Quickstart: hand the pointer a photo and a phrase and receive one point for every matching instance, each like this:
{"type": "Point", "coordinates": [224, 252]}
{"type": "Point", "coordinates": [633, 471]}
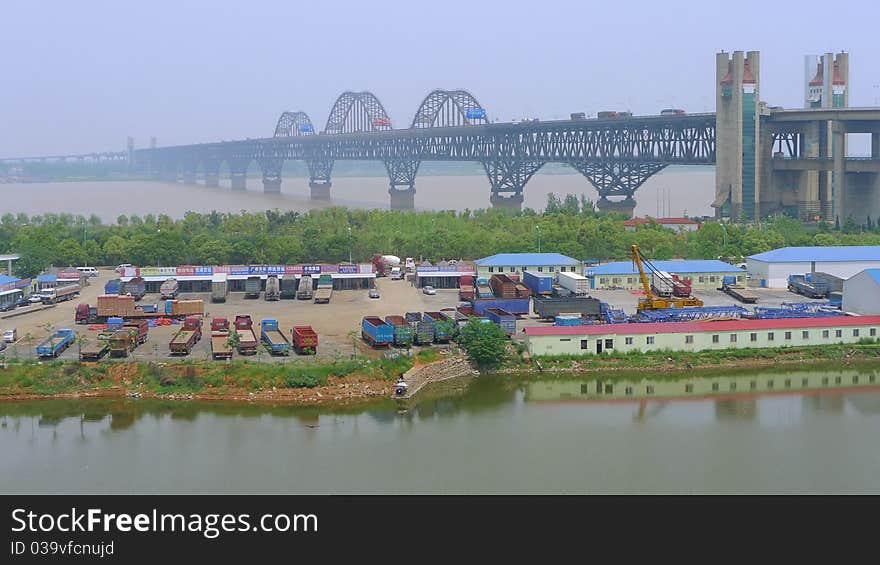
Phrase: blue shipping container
{"type": "Point", "coordinates": [538, 283]}
{"type": "Point", "coordinates": [515, 306]}
{"type": "Point", "coordinates": [568, 321]}
{"type": "Point", "coordinates": [476, 113]}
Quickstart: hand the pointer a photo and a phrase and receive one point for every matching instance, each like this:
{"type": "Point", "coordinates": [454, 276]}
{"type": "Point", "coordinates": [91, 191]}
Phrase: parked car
{"type": "Point", "coordinates": [2, 346]}
{"type": "Point", "coordinates": [9, 336]}
{"type": "Point", "coordinates": [7, 307]}
{"type": "Point", "coordinates": [23, 301]}
{"type": "Point", "coordinates": [429, 290]}
{"type": "Point", "coordinates": [122, 266]}
{"type": "Point", "coordinates": [374, 293]}
{"type": "Point", "coordinates": [35, 299]}
{"type": "Point", "coordinates": [88, 271]}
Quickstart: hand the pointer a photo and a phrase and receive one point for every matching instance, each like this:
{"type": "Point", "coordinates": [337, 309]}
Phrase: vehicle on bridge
{"type": "Point", "coordinates": [578, 116]}
{"type": "Point", "coordinates": [613, 115]}
{"type": "Point", "coordinates": [381, 121]}
{"type": "Point", "coordinates": [672, 112]}
{"type": "Point", "coordinates": [476, 114]}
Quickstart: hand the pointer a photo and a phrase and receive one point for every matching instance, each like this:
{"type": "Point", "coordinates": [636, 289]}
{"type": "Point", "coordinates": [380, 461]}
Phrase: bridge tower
{"type": "Point", "coordinates": [737, 126]}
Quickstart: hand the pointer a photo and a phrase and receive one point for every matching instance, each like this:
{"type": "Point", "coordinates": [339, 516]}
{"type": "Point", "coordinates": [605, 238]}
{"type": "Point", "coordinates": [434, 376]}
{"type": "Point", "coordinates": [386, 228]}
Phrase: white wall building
{"type": "Point", "coordinates": [861, 293]}
{"type": "Point", "coordinates": [771, 268]}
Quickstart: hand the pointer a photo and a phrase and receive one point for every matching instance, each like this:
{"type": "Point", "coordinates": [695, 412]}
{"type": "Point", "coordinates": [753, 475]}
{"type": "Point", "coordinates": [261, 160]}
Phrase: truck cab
{"type": "Point", "coordinates": [396, 273]}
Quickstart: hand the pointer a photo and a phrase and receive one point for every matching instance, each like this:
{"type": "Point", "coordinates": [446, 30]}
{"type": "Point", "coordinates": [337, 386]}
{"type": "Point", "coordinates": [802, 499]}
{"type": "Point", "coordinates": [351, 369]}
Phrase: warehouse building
{"type": "Point", "coordinates": [704, 274]}
{"type": "Point", "coordinates": [698, 336]}
{"type": "Point", "coordinates": [772, 268]}
{"type": "Point", "coordinates": [520, 262]}
{"type": "Point", "coordinates": [445, 274]}
{"type": "Point", "coordinates": [11, 289]}
{"type": "Point", "coordinates": [861, 293]}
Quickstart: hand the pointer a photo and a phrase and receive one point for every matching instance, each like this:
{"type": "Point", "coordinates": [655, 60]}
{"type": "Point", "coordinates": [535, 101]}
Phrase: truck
{"type": "Point", "coordinates": [396, 274]}
{"type": "Point", "coordinates": [55, 344]}
{"type": "Point", "coordinates": [304, 291]}
{"type": "Point", "coordinates": [96, 349]}
{"type": "Point", "coordinates": [410, 265]}
{"type": "Point", "coordinates": [503, 319]}
{"type": "Point", "coordinates": [252, 287]}
{"type": "Point", "coordinates": [273, 288]}
{"type": "Point", "coordinates": [741, 293]}
{"type": "Point", "coordinates": [574, 283]}
{"type": "Point", "coordinates": [136, 287]}
{"type": "Point", "coordinates": [141, 327]}
{"type": "Point", "coordinates": [403, 331]}
{"type": "Point", "coordinates": [444, 328]}
{"type": "Point", "coordinates": [288, 286]}
{"type": "Point", "coordinates": [578, 116]}
{"type": "Point", "coordinates": [538, 283]}
{"type": "Point", "coordinates": [247, 341]}
{"type": "Point", "coordinates": [113, 286]}
{"type": "Point", "coordinates": [382, 264]}
{"type": "Point", "coordinates": [169, 288]}
{"type": "Point", "coordinates": [219, 287]}
{"type": "Point", "coordinates": [122, 342]}
{"type": "Point", "coordinates": [59, 293]}
{"type": "Point", "coordinates": [466, 287]}
{"type": "Point", "coordinates": [832, 282]}
{"type": "Point", "coordinates": [322, 295]}
{"type": "Point", "coordinates": [304, 339]}
{"type": "Point", "coordinates": [273, 337]}
{"type": "Point", "coordinates": [111, 305]}
{"type": "Point", "coordinates": [811, 289]}
{"type": "Point", "coordinates": [548, 307]}
{"type": "Point", "coordinates": [517, 306]}
{"type": "Point", "coordinates": [220, 345]}
{"type": "Point", "coordinates": [187, 337]}
{"type": "Point", "coordinates": [376, 331]}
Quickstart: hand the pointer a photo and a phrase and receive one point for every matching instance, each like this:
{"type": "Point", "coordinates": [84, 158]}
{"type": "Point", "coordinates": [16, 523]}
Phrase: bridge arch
{"type": "Point", "coordinates": [442, 108]}
{"type": "Point", "coordinates": [357, 112]}
{"type": "Point", "coordinates": [294, 124]}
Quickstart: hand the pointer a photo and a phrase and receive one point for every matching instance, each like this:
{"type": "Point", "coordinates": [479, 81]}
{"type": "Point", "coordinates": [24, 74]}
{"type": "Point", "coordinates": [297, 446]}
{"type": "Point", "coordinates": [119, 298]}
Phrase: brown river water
{"type": "Point", "coordinates": [672, 192]}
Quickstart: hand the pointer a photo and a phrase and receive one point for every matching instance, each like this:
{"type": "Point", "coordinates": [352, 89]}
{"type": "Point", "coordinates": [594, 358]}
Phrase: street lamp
{"type": "Point", "coordinates": [349, 244]}
{"type": "Point", "coordinates": [539, 237]}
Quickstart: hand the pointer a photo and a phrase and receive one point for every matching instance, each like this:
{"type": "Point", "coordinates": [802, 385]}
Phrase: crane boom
{"type": "Point", "coordinates": [652, 301]}
{"type": "Point", "coordinates": [637, 259]}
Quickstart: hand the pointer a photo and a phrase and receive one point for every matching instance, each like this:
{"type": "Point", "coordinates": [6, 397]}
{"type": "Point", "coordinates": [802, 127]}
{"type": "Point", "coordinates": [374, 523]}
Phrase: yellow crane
{"type": "Point", "coordinates": [653, 302]}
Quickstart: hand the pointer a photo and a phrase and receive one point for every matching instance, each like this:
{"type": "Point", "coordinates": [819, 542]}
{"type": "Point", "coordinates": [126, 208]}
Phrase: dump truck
{"type": "Point", "coordinates": [304, 290]}
{"type": "Point", "coordinates": [252, 287]}
{"type": "Point", "coordinates": [304, 339]}
{"type": "Point", "coordinates": [247, 341]}
{"type": "Point", "coordinates": [738, 291]}
{"type": "Point", "coordinates": [113, 286]}
{"type": "Point", "coordinates": [96, 349]}
{"type": "Point", "coordinates": [170, 288]}
{"type": "Point", "coordinates": [503, 319]}
{"type": "Point", "coordinates": [809, 288]}
{"type": "Point", "coordinates": [288, 286]}
{"type": "Point", "coordinates": [141, 327]}
{"type": "Point", "coordinates": [122, 342]}
{"type": "Point", "coordinates": [187, 337]}
{"type": "Point", "coordinates": [59, 293]}
{"type": "Point", "coordinates": [220, 346]}
{"type": "Point", "coordinates": [403, 331]}
{"type": "Point", "coordinates": [273, 288]}
{"type": "Point", "coordinates": [444, 328]}
{"type": "Point", "coordinates": [548, 307]}
{"type": "Point", "coordinates": [136, 287]}
{"type": "Point", "coordinates": [219, 287]}
{"type": "Point", "coordinates": [376, 331]}
{"type": "Point", "coordinates": [55, 344]}
{"type": "Point", "coordinates": [273, 337]}
{"type": "Point", "coordinates": [322, 295]}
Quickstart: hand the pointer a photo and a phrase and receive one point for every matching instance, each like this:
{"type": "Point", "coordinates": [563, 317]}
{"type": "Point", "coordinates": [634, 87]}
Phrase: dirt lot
{"type": "Point", "coordinates": [334, 322]}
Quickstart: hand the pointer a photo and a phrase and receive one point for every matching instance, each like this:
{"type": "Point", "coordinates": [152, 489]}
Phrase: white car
{"type": "Point", "coordinates": [9, 336]}
{"type": "Point", "coordinates": [429, 290]}
{"type": "Point", "coordinates": [122, 266]}
{"type": "Point", "coordinates": [35, 299]}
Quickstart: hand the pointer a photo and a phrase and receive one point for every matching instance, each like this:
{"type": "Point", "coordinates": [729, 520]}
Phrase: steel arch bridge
{"type": "Point", "coordinates": [617, 155]}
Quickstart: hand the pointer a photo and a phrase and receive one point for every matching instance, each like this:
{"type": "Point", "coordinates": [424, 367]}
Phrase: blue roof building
{"type": "Point", "coordinates": [519, 262]}
{"type": "Point", "coordinates": [704, 274]}
{"type": "Point", "coordinates": [772, 268]}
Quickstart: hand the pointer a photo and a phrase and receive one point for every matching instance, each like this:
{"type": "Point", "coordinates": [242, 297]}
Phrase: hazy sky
{"type": "Point", "coordinates": [81, 76]}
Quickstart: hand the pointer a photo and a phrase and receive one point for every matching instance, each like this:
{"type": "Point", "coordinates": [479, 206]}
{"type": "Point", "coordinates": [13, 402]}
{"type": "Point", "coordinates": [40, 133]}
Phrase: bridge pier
{"type": "Point", "coordinates": [320, 190]}
{"type": "Point", "coordinates": [626, 206]}
{"type": "Point", "coordinates": [212, 178]}
{"type": "Point", "coordinates": [402, 199]}
{"type": "Point", "coordinates": [272, 185]}
{"type": "Point", "coordinates": [189, 177]}
{"type": "Point", "coordinates": [512, 202]}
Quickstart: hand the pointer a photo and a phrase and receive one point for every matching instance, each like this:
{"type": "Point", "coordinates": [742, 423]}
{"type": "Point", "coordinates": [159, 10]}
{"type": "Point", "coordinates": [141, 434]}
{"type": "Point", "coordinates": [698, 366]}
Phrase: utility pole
{"type": "Point", "coordinates": [539, 237]}
{"type": "Point", "coordinates": [349, 244]}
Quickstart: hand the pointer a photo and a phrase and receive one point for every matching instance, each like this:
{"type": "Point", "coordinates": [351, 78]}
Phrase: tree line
{"type": "Point", "coordinates": [568, 225]}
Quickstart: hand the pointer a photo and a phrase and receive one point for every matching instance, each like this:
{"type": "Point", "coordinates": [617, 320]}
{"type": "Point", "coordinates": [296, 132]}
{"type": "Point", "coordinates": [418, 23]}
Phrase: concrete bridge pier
{"type": "Point", "coordinates": [272, 185]}
{"type": "Point", "coordinates": [626, 206]}
{"type": "Point", "coordinates": [189, 177]}
{"type": "Point", "coordinates": [238, 180]}
{"type": "Point", "coordinates": [212, 178]}
{"type": "Point", "coordinates": [320, 190]}
{"type": "Point", "coordinates": [512, 202]}
{"type": "Point", "coordinates": [402, 199]}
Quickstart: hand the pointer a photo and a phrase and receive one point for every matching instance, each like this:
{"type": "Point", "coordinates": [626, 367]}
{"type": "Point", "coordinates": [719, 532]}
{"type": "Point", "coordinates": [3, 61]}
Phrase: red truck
{"type": "Point", "coordinates": [220, 347]}
{"type": "Point", "coordinates": [247, 341]}
{"type": "Point", "coordinates": [184, 340]}
{"type": "Point", "coordinates": [142, 327]}
{"type": "Point", "coordinates": [304, 339]}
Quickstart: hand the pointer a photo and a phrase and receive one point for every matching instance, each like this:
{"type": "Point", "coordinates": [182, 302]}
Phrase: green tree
{"type": "Point", "coordinates": [485, 343]}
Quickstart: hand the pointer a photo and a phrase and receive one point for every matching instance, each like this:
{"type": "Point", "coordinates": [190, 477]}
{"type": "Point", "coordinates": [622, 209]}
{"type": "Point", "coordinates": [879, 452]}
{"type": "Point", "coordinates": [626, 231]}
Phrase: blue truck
{"type": "Point", "coordinates": [273, 337]}
{"type": "Point", "coordinates": [444, 328]}
{"type": "Point", "coordinates": [503, 319]}
{"type": "Point", "coordinates": [376, 331]}
{"type": "Point", "coordinates": [516, 306]}
{"type": "Point", "coordinates": [113, 286]}
{"type": "Point", "coordinates": [806, 286]}
{"type": "Point", "coordinates": [55, 344]}
{"type": "Point", "coordinates": [538, 283]}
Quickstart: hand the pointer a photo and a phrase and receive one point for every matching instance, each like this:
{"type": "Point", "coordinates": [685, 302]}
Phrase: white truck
{"type": "Point", "coordinates": [396, 273]}
{"type": "Point", "coordinates": [59, 293]}
{"type": "Point", "coordinates": [574, 283]}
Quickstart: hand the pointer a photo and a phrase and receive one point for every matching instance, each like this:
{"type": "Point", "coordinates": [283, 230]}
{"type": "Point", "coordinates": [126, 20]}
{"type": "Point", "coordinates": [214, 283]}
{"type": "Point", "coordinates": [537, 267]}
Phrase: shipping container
{"type": "Point", "coordinates": [503, 319]}
{"type": "Point", "coordinates": [574, 283]}
{"type": "Point", "coordinates": [517, 306]}
{"type": "Point", "coordinates": [376, 331]}
{"type": "Point", "coordinates": [538, 283]}
{"type": "Point", "coordinates": [548, 307]}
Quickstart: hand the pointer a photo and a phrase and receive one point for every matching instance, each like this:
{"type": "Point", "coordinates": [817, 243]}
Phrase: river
{"type": "Point", "coordinates": [672, 192]}
{"type": "Point", "coordinates": [801, 432]}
